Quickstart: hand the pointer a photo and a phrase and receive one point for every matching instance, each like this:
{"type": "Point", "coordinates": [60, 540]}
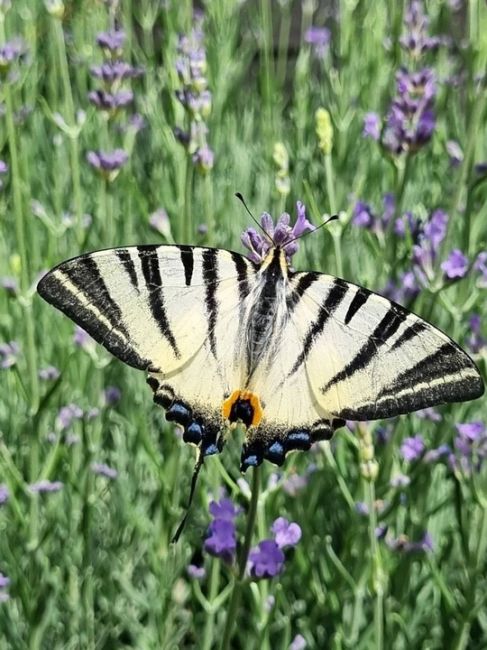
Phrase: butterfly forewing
{"type": "Point", "coordinates": [368, 358]}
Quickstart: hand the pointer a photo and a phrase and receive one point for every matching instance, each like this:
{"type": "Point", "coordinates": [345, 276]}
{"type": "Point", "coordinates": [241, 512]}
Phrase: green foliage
{"type": "Point", "coordinates": [91, 565]}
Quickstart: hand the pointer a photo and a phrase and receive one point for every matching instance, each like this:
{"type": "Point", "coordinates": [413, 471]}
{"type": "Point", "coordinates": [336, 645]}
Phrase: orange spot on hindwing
{"type": "Point", "coordinates": [243, 405]}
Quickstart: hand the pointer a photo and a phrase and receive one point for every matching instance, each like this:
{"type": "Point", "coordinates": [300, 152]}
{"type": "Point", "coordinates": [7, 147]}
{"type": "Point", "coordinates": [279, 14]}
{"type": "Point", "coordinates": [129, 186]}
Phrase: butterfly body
{"type": "Point", "coordinates": [290, 355]}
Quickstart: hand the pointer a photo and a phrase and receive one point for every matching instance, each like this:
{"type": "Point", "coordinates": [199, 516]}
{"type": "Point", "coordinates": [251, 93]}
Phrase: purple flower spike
{"type": "Point", "coordinates": [362, 215]}
{"type": "Point", "coordinates": [266, 560]}
{"type": "Point", "coordinates": [476, 341]}
{"type": "Point", "coordinates": [286, 534]}
{"type": "Point", "coordinates": [106, 101]}
{"type": "Point", "coordinates": [412, 448]}
{"type": "Point", "coordinates": [102, 469]}
{"type": "Point", "coordinates": [224, 509]}
{"type": "Point", "coordinates": [111, 395]}
{"type": "Point", "coordinates": [222, 541]}
{"type": "Point", "coordinates": [112, 41]}
{"type": "Point", "coordinates": [4, 494]}
{"type": "Point", "coordinates": [4, 581]}
{"type": "Point", "coordinates": [196, 572]}
{"type": "Point", "coordinates": [9, 353]}
{"type": "Point", "coordinates": [115, 71]}
{"type": "Point", "coordinates": [67, 414]}
{"type": "Point", "coordinates": [107, 163]}
{"type": "Point", "coordinates": [281, 235]}
{"type": "Point", "coordinates": [46, 486]}
{"type": "Point", "coordinates": [319, 39]}
{"type": "Point", "coordinates": [371, 128]}
{"type": "Point", "coordinates": [50, 373]}
{"type": "Point", "coordinates": [456, 266]}
{"type": "Point", "coordinates": [3, 167]}
{"type": "Point", "coordinates": [472, 430]}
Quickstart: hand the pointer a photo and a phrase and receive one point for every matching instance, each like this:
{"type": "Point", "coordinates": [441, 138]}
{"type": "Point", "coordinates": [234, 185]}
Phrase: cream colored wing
{"type": "Point", "coordinates": [171, 310]}
{"type": "Point", "coordinates": [344, 352]}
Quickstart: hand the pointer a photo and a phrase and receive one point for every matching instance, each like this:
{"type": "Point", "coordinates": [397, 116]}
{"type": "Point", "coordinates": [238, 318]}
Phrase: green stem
{"type": "Point", "coordinates": [74, 135]}
{"type": "Point", "coordinates": [242, 561]}
{"type": "Point", "coordinates": [187, 234]}
{"type": "Point", "coordinates": [336, 232]}
{"type": "Point", "coordinates": [377, 576]}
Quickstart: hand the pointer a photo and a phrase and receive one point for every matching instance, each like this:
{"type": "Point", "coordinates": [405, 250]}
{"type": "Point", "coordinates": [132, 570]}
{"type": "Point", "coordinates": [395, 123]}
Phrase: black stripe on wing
{"type": "Point", "coordinates": [242, 268]}
{"type": "Point", "coordinates": [129, 266]}
{"type": "Point", "coordinates": [77, 306]}
{"type": "Point", "coordinates": [359, 300]}
{"type": "Point", "coordinates": [449, 374]}
{"type": "Point", "coordinates": [187, 258]}
{"type": "Point", "coordinates": [302, 285]}
{"type": "Point", "coordinates": [332, 301]}
{"type": "Point", "coordinates": [387, 327]}
{"type": "Point", "coordinates": [149, 260]}
{"type": "Point", "coordinates": [210, 277]}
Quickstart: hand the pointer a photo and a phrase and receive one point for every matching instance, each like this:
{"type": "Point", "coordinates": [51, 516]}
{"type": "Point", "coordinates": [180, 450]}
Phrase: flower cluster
{"type": "Point", "coordinates": [9, 353]}
{"type": "Point", "coordinates": [194, 95]}
{"type": "Point", "coordinates": [469, 447]}
{"type": "Point", "coordinates": [112, 97]}
{"type": "Point", "coordinates": [265, 560]}
{"type": "Point", "coordinates": [281, 234]}
{"type": "Point", "coordinates": [410, 120]}
{"type": "Point", "coordinates": [319, 39]}
{"type": "Point", "coordinates": [4, 583]}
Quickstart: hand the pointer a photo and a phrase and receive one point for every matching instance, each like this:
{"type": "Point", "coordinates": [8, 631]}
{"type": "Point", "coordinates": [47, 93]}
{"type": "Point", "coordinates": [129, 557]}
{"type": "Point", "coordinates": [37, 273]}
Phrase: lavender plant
{"type": "Point", "coordinates": [373, 111]}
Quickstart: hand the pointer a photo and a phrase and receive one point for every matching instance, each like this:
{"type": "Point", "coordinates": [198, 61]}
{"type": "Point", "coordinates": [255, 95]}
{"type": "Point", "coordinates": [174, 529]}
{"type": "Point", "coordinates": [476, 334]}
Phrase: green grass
{"type": "Point", "coordinates": [91, 566]}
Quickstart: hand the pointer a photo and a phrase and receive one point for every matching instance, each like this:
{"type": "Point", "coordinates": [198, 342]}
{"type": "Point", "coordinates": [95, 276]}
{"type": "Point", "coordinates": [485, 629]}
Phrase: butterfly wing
{"type": "Point", "coordinates": [344, 352]}
{"type": "Point", "coordinates": [171, 310]}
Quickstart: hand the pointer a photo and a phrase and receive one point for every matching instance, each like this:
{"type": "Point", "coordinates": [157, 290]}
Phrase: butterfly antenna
{"type": "Point", "coordinates": [241, 198]}
{"type": "Point", "coordinates": [194, 478]}
{"type": "Point", "coordinates": [334, 217]}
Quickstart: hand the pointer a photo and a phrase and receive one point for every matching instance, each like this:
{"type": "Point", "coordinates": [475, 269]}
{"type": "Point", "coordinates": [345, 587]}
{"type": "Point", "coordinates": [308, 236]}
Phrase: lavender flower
{"type": "Point", "coordinates": [102, 469]}
{"type": "Point", "coordinates": [49, 373]}
{"type": "Point", "coordinates": [298, 643]}
{"type": "Point", "coordinates": [399, 481]}
{"type": "Point", "coordinates": [4, 494]}
{"type": "Point", "coordinates": [196, 572]}
{"type": "Point", "coordinates": [160, 222]}
{"type": "Point", "coordinates": [114, 72]}
{"type": "Point", "coordinates": [111, 395]}
{"type": "Point", "coordinates": [222, 540]}
{"type": "Point", "coordinates": [286, 533]}
{"type": "Point", "coordinates": [111, 102]}
{"type": "Point", "coordinates": [81, 338]}
{"type": "Point", "coordinates": [476, 341]}
{"type": "Point", "coordinates": [416, 40]}
{"type": "Point", "coordinates": [279, 235]}
{"type": "Point", "coordinates": [426, 251]}
{"type": "Point", "coordinates": [46, 486]}
{"type": "Point", "coordinates": [194, 95]}
{"type": "Point", "coordinates": [481, 266]}
{"type": "Point", "coordinates": [404, 291]}
{"type": "Point", "coordinates": [363, 215]}
{"type": "Point", "coordinates": [437, 454]}
{"type": "Point", "coordinates": [111, 42]}
{"type": "Point", "coordinates": [456, 265]}
{"type": "Point", "coordinates": [67, 414]}
{"type": "Point", "coordinates": [412, 448]}
{"type": "Point", "coordinates": [319, 39]}
{"type": "Point", "coordinates": [429, 413]}
{"type": "Point", "coordinates": [455, 153]}
{"type": "Point", "coordinates": [294, 483]}
{"type": "Point", "coordinates": [266, 560]}
{"type": "Point", "coordinates": [10, 285]}
{"type": "Point", "coordinates": [9, 353]}
{"type": "Point", "coordinates": [4, 583]}
{"type": "Point", "coordinates": [10, 52]}
{"type": "Point", "coordinates": [108, 163]}
{"type": "Point", "coordinates": [372, 126]}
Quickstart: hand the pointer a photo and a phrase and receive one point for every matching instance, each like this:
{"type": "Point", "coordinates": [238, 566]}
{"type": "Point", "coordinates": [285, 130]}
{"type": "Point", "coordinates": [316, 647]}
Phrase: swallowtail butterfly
{"type": "Point", "coordinates": [224, 340]}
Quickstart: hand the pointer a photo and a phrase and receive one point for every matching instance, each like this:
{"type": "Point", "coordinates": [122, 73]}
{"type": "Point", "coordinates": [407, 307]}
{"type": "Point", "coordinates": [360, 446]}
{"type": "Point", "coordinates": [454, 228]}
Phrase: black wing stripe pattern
{"type": "Point", "coordinates": [187, 258]}
{"type": "Point", "coordinates": [387, 327]}
{"type": "Point", "coordinates": [210, 277]}
{"type": "Point", "coordinates": [302, 285]}
{"type": "Point", "coordinates": [152, 275]}
{"type": "Point", "coordinates": [88, 307]}
{"type": "Point", "coordinates": [359, 299]}
{"type": "Point", "coordinates": [332, 301]}
{"type": "Point", "coordinates": [129, 266]}
{"type": "Point", "coordinates": [241, 266]}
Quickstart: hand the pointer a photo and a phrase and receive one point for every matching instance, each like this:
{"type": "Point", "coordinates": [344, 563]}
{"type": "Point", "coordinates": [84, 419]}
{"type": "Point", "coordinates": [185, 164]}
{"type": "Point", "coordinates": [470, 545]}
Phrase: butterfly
{"type": "Point", "coordinates": [225, 340]}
